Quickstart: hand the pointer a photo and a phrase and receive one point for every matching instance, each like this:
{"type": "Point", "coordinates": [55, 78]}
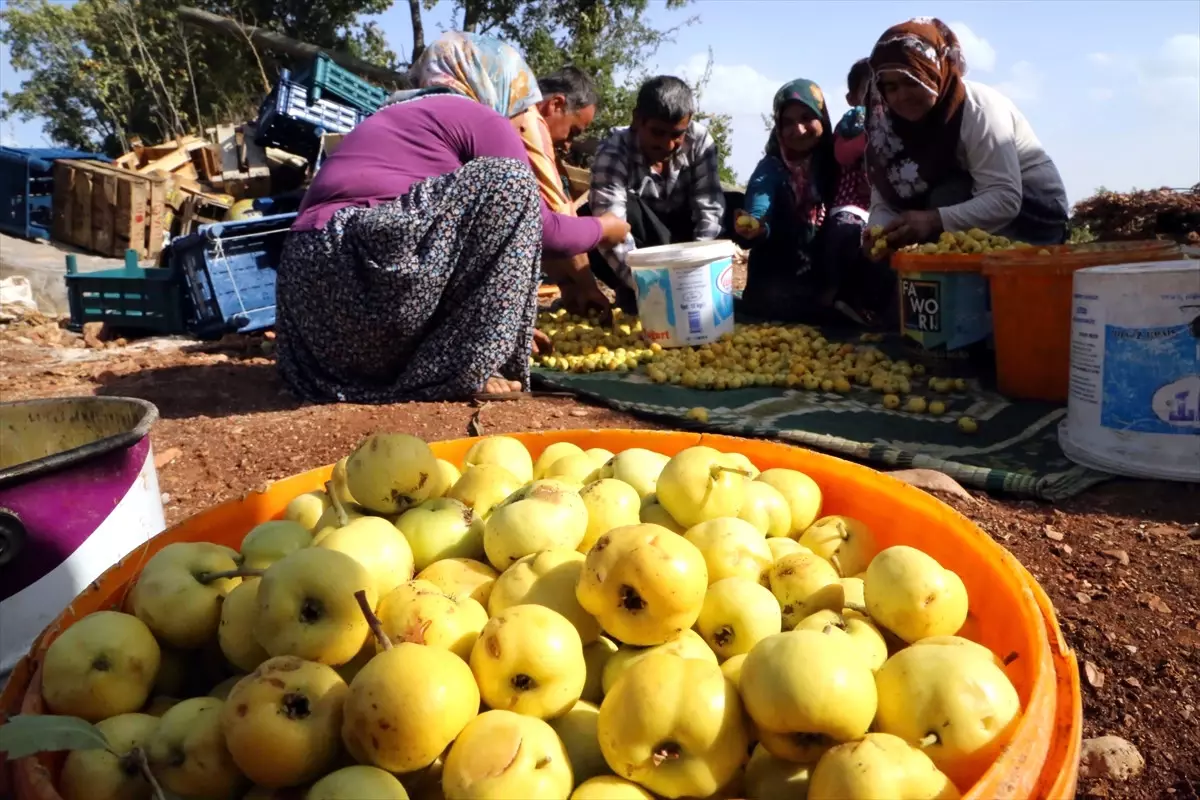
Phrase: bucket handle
{"type": "Point", "coordinates": [12, 536]}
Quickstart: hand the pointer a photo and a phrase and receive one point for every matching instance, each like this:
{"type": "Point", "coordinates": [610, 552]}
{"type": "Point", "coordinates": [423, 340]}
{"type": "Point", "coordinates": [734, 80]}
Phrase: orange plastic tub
{"type": "Point", "coordinates": [1009, 612]}
{"type": "Point", "coordinates": [1031, 310]}
{"type": "Point", "coordinates": [945, 311]}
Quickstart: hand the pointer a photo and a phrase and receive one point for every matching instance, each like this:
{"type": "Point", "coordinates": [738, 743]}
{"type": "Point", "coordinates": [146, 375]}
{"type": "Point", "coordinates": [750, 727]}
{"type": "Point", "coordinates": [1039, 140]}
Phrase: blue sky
{"type": "Point", "coordinates": [1111, 88]}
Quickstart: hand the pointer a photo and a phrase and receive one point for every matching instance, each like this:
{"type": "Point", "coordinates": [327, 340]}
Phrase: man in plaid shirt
{"type": "Point", "coordinates": [660, 175]}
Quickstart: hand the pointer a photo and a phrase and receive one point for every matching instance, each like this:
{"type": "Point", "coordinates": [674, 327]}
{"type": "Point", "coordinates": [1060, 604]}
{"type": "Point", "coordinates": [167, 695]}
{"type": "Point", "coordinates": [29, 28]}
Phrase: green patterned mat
{"type": "Point", "coordinates": [1014, 451]}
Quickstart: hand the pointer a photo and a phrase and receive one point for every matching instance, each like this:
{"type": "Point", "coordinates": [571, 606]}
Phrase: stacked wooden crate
{"type": "Point", "coordinates": [108, 210]}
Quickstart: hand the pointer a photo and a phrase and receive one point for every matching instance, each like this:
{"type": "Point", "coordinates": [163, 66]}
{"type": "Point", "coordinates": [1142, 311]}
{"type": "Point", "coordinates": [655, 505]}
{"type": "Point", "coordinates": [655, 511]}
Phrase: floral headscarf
{"type": "Point", "coordinates": [905, 160]}
{"type": "Point", "coordinates": [483, 68]}
{"type": "Point", "coordinates": [813, 178]}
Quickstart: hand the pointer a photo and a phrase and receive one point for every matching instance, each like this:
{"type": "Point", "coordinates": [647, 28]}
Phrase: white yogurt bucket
{"type": "Point", "coordinates": [1134, 403]}
{"type": "Point", "coordinates": [684, 291]}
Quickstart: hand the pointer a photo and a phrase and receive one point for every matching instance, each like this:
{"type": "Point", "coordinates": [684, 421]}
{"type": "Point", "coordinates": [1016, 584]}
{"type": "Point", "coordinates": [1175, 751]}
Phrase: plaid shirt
{"type": "Point", "coordinates": [690, 179]}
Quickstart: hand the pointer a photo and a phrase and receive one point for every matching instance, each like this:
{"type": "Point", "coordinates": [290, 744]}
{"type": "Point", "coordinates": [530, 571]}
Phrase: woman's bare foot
{"type": "Point", "coordinates": [498, 385]}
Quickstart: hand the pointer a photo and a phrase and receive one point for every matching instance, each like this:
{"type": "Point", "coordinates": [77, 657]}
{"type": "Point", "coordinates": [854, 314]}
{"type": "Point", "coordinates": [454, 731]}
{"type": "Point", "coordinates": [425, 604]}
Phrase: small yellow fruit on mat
{"type": "Point", "coordinates": [643, 583]}
{"type": "Point", "coordinates": [737, 614]}
{"type": "Point", "coordinates": [270, 541]}
{"type": "Point", "coordinates": [103, 775]}
{"type": "Point", "coordinates": [187, 753]}
{"type": "Point", "coordinates": [296, 707]}
{"type": "Point", "coordinates": [357, 783]}
{"type": "Point", "coordinates": [844, 542]}
{"type": "Point", "coordinates": [771, 778]}
{"type": "Point", "coordinates": [483, 487]}
{"type": "Point", "coordinates": [502, 451]}
{"type": "Point", "coordinates": [176, 606]}
{"type": "Point", "coordinates": [967, 425]}
{"type": "Point", "coordinates": [891, 401]}
{"type": "Point", "coordinates": [421, 613]}
{"type": "Point", "coordinates": [552, 453]}
{"type": "Point", "coordinates": [766, 509]}
{"type": "Point", "coordinates": [960, 709]}
{"type": "Point", "coordinates": [390, 473]}
{"type": "Point", "coordinates": [546, 579]}
{"type": "Point", "coordinates": [577, 729]}
{"type": "Point", "coordinates": [697, 414]}
{"type": "Point", "coordinates": [503, 754]}
{"type": "Point", "coordinates": [306, 606]}
{"type": "Point", "coordinates": [675, 726]}
{"type": "Point", "coordinates": [732, 548]}
{"type": "Point", "coordinates": [937, 408]}
{"type": "Point", "coordinates": [802, 493]}
{"type": "Point", "coordinates": [610, 504]}
{"type": "Point", "coordinates": [101, 666]}
{"type": "Point", "coordinates": [913, 596]}
{"type": "Point", "coordinates": [653, 513]}
{"type": "Point", "coordinates": [406, 706]}
{"type": "Point", "coordinates": [804, 583]}
{"type": "Point", "coordinates": [697, 485]}
{"type": "Point", "coordinates": [609, 787]}
{"type": "Point", "coordinates": [809, 687]}
{"type": "Point", "coordinates": [529, 659]}
{"type": "Point", "coordinates": [878, 765]}
{"type": "Point", "coordinates": [596, 656]}
{"type": "Point", "coordinates": [236, 633]}
{"type": "Point", "coordinates": [462, 576]}
{"type": "Point", "coordinates": [542, 515]}
{"type": "Point", "coordinates": [688, 644]}
{"type": "Point", "coordinates": [441, 528]}
{"type": "Point", "coordinates": [916, 405]}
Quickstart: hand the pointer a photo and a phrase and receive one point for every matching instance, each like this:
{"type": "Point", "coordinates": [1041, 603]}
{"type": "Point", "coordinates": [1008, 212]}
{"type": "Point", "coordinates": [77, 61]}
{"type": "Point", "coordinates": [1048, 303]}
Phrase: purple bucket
{"type": "Point", "coordinates": [78, 491]}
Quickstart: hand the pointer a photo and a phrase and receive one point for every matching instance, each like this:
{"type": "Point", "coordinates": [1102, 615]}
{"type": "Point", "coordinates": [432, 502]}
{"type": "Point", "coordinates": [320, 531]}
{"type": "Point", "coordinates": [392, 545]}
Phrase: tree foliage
{"type": "Point", "coordinates": [104, 71]}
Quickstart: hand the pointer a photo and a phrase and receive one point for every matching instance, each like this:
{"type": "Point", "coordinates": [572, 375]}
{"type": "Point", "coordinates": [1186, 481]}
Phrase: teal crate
{"type": "Point", "coordinates": [150, 300]}
{"type": "Point", "coordinates": [325, 76]}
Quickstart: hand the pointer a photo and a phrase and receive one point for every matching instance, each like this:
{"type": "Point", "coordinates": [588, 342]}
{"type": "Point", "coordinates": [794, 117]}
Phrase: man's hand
{"type": "Point", "coordinates": [613, 229]}
{"type": "Point", "coordinates": [913, 227]}
{"type": "Point", "coordinates": [541, 343]}
{"type": "Point", "coordinates": [747, 226]}
{"type": "Point", "coordinates": [581, 294]}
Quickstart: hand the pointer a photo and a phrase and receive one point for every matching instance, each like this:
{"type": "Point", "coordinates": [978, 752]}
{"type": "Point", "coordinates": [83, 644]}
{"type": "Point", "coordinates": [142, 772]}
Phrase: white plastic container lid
{"type": "Point", "coordinates": [686, 254]}
{"type": "Point", "coordinates": [1144, 268]}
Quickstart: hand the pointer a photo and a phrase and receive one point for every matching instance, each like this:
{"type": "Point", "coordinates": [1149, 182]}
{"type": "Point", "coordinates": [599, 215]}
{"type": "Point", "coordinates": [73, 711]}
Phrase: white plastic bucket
{"type": "Point", "coordinates": [1134, 403]}
{"type": "Point", "coordinates": [684, 291]}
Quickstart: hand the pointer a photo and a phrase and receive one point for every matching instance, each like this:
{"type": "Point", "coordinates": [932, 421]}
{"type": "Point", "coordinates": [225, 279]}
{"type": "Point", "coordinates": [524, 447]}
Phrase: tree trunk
{"type": "Point", "coordinates": [471, 12]}
{"type": "Point", "coordinates": [414, 9]}
{"type": "Point", "coordinates": [282, 44]}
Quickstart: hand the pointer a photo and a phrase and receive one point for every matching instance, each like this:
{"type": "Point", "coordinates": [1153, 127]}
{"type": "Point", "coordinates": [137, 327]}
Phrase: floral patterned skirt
{"type": "Point", "coordinates": [421, 298]}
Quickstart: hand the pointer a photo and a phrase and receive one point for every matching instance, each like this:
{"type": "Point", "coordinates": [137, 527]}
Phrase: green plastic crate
{"type": "Point", "coordinates": [325, 76]}
{"type": "Point", "coordinates": [149, 300]}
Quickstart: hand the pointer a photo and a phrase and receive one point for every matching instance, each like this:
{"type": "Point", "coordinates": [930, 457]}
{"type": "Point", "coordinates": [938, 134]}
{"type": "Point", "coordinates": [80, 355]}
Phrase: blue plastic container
{"type": "Point", "coordinates": [325, 77]}
{"type": "Point", "coordinates": [27, 188]}
{"type": "Point", "coordinates": [228, 273]}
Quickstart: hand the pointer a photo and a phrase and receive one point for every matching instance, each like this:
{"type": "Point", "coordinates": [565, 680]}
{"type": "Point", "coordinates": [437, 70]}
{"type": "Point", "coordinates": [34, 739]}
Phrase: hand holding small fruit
{"type": "Point", "coordinates": [747, 226]}
{"type": "Point", "coordinates": [913, 226]}
{"type": "Point", "coordinates": [581, 294]}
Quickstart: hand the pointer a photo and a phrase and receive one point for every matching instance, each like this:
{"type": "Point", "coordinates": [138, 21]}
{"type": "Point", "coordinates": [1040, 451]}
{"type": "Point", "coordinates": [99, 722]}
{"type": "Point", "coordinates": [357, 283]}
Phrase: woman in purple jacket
{"type": "Point", "coordinates": [411, 272]}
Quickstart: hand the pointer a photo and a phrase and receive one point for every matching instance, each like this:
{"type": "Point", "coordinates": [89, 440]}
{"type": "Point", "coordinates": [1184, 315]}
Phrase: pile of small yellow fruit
{"type": "Point", "coordinates": [972, 242]}
{"type": "Point", "coordinates": [580, 626]}
{"type": "Point", "coordinates": [584, 344]}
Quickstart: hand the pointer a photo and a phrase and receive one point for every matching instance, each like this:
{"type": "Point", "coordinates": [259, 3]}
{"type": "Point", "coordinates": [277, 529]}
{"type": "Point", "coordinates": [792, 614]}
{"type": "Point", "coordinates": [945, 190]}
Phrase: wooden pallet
{"type": "Point", "coordinates": [108, 210]}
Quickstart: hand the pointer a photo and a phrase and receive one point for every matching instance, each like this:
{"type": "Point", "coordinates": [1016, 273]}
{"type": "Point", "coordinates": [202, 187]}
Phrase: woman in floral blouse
{"type": "Point", "coordinates": [948, 154]}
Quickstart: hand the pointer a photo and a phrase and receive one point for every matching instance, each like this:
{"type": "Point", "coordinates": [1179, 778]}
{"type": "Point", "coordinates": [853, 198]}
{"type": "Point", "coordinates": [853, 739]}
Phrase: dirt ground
{"type": "Point", "coordinates": [1120, 562]}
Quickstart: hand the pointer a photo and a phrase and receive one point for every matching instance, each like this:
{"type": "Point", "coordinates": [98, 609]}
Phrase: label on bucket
{"type": "Point", "coordinates": [945, 312]}
{"type": "Point", "coordinates": [1145, 379]}
{"type": "Point", "coordinates": [683, 306]}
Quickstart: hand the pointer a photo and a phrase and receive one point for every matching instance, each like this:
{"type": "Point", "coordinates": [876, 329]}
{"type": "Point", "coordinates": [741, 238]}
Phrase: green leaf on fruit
{"type": "Point", "coordinates": [27, 734]}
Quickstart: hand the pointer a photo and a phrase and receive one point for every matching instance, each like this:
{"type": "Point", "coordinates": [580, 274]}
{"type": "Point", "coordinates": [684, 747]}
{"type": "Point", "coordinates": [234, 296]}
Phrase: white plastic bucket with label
{"type": "Point", "coordinates": [684, 291]}
{"type": "Point", "coordinates": [1134, 403]}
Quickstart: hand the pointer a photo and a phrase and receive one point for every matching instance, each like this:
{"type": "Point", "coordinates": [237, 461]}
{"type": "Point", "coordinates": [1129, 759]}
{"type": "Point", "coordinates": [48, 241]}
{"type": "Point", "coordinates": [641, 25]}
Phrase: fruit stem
{"type": "Point", "coordinates": [240, 572]}
{"type": "Point", "coordinates": [718, 469]}
{"type": "Point", "coordinates": [856, 607]}
{"type": "Point", "coordinates": [139, 758]}
{"type": "Point", "coordinates": [340, 510]}
{"type": "Point", "coordinates": [372, 620]}
{"type": "Point", "coordinates": [837, 564]}
{"type": "Point", "coordinates": [927, 740]}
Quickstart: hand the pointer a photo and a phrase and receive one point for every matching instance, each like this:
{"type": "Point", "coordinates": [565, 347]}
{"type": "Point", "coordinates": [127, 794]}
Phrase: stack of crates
{"type": "Point", "coordinates": [325, 77]}
{"type": "Point", "coordinates": [27, 188]}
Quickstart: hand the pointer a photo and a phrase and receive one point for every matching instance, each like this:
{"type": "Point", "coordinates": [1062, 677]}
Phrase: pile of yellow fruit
{"type": "Point", "coordinates": [974, 241]}
{"type": "Point", "coordinates": [584, 344]}
{"type": "Point", "coordinates": [585, 625]}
